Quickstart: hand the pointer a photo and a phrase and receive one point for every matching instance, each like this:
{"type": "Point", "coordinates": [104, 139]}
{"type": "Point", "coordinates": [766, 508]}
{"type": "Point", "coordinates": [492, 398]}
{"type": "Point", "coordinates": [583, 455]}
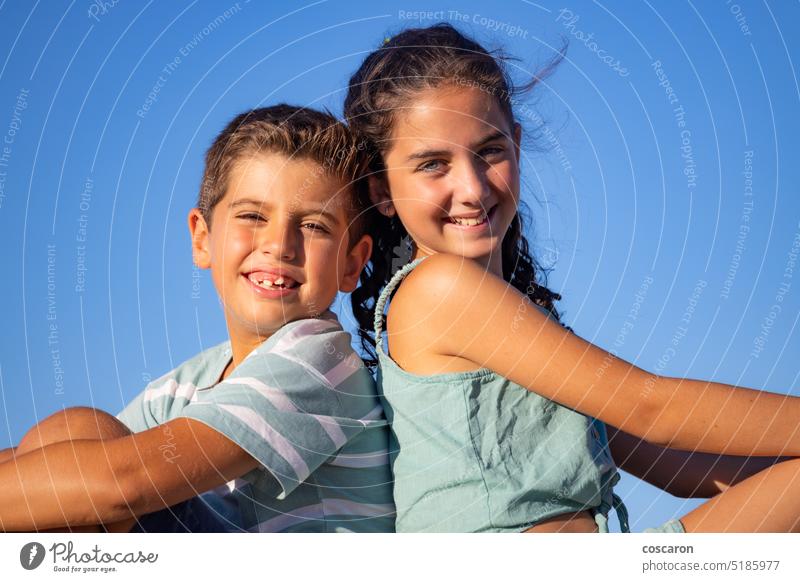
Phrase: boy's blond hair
{"type": "Point", "coordinates": [297, 133]}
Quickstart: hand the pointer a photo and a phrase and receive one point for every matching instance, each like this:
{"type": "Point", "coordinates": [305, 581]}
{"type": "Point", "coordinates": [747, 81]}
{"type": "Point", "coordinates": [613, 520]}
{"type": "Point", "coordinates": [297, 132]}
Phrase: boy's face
{"type": "Point", "coordinates": [277, 245]}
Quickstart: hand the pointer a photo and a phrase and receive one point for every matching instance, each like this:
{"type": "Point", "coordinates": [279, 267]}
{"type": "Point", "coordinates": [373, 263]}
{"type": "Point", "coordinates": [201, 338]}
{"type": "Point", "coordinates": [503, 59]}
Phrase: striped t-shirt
{"type": "Point", "coordinates": [305, 407]}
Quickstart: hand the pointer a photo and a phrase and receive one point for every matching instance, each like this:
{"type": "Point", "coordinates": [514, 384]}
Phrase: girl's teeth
{"type": "Point", "coordinates": [470, 221]}
{"type": "Point", "coordinates": [279, 281]}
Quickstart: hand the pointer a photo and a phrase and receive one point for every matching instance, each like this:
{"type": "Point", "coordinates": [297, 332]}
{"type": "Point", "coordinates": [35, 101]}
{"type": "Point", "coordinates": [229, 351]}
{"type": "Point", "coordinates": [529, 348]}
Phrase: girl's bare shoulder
{"type": "Point", "coordinates": [438, 283]}
{"type": "Point", "coordinates": [437, 290]}
{"type": "Point", "coordinates": [426, 303]}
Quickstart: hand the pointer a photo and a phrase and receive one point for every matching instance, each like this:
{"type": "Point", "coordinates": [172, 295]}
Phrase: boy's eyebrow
{"type": "Point", "coordinates": [322, 212]}
{"type": "Point", "coordinates": [246, 202]}
{"type": "Point", "coordinates": [435, 153]}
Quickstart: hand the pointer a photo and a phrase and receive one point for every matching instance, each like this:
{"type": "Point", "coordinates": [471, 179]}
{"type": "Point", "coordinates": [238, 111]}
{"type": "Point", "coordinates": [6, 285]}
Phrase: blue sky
{"type": "Point", "coordinates": [664, 188]}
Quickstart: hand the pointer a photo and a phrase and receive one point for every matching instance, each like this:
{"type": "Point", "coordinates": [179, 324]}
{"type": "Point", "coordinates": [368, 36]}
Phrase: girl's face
{"type": "Point", "coordinates": [453, 174]}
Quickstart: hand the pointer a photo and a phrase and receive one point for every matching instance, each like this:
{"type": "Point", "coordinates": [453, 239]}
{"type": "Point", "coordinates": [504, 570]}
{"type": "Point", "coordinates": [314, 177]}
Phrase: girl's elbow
{"type": "Point", "coordinates": [650, 420]}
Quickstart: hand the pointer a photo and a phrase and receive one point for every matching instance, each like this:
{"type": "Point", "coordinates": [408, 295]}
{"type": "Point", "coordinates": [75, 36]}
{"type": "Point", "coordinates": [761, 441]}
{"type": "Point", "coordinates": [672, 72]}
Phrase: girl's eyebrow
{"type": "Point", "coordinates": [427, 154]}
{"type": "Point", "coordinates": [436, 153]}
{"type": "Point", "coordinates": [491, 137]}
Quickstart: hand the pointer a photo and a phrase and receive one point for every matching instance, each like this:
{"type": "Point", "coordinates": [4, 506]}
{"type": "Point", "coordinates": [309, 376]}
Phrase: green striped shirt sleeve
{"type": "Point", "coordinates": [282, 404]}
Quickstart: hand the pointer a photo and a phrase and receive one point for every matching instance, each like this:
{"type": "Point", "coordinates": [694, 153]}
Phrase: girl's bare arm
{"type": "Point", "coordinates": [86, 482]}
{"type": "Point", "coordinates": [682, 473]}
{"type": "Point", "coordinates": [481, 318]}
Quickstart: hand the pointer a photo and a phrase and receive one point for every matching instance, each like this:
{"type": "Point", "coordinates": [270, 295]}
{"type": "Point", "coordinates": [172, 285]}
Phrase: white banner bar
{"type": "Point", "coordinates": [411, 558]}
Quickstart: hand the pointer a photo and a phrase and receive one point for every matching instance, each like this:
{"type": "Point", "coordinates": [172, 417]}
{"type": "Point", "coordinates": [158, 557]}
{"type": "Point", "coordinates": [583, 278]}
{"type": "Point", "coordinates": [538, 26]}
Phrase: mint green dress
{"type": "Point", "coordinates": [475, 452]}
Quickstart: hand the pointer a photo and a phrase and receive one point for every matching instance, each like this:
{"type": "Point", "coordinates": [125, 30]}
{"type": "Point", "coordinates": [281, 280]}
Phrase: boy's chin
{"type": "Point", "coordinates": [264, 323]}
{"type": "Point", "coordinates": [269, 325]}
{"type": "Point", "coordinates": [263, 326]}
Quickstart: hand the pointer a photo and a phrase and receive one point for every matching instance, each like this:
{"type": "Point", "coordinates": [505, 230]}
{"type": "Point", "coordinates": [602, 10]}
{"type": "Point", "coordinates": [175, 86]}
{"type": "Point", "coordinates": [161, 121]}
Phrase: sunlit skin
{"type": "Point", "coordinates": [283, 218]}
{"type": "Point", "coordinates": [454, 154]}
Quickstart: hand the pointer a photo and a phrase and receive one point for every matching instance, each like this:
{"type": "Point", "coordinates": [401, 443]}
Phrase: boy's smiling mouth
{"type": "Point", "coordinates": [272, 283]}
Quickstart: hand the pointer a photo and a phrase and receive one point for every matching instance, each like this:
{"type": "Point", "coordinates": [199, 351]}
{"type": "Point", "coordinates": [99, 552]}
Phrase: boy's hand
{"type": "Point", "coordinates": [104, 481]}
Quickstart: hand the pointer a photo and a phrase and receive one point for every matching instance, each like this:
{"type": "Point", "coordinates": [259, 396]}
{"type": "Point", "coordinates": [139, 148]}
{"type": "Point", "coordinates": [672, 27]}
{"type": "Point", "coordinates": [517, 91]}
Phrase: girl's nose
{"type": "Point", "coordinates": [471, 185]}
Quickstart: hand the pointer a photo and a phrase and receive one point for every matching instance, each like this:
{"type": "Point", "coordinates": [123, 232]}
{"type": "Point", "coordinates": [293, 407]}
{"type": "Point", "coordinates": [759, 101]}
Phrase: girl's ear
{"type": "Point", "coordinates": [379, 194]}
{"type": "Point", "coordinates": [357, 258]}
{"type": "Point", "coordinates": [199, 231]}
{"type": "Point", "coordinates": [517, 140]}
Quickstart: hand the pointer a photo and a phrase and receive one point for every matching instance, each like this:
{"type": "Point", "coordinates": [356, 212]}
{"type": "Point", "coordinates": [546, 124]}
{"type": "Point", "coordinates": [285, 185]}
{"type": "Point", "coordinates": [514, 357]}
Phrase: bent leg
{"type": "Point", "coordinates": [765, 502]}
{"type": "Point", "coordinates": [80, 423]}
{"type": "Point", "coordinates": [72, 424]}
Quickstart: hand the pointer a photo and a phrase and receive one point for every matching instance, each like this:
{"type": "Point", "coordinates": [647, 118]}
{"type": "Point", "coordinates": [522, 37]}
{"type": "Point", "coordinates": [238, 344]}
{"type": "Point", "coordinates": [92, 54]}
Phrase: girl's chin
{"type": "Point", "coordinates": [475, 250]}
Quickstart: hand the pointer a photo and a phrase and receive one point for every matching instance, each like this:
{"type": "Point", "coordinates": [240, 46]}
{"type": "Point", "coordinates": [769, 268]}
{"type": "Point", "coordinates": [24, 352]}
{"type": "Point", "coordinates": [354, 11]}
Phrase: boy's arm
{"type": "Point", "coordinates": [682, 473]}
{"type": "Point", "coordinates": [89, 481]}
{"type": "Point", "coordinates": [6, 454]}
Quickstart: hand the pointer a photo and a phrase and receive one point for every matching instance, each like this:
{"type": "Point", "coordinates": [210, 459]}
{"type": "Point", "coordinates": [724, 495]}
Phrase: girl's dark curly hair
{"type": "Point", "coordinates": [388, 79]}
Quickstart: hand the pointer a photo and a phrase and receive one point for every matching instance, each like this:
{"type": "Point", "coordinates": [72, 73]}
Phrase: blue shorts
{"type": "Point", "coordinates": [190, 516]}
{"type": "Point", "coordinates": [672, 526]}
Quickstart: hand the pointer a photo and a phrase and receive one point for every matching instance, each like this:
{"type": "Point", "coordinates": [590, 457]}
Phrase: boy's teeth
{"type": "Point", "coordinates": [261, 280]}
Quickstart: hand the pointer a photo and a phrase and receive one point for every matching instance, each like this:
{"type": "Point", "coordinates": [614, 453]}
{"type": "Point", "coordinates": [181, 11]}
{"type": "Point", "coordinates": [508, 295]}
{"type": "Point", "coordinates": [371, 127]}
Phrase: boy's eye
{"type": "Point", "coordinates": [313, 226]}
{"type": "Point", "coordinates": [253, 216]}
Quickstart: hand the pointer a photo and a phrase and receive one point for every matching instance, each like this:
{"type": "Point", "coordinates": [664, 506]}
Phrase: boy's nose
{"type": "Point", "coordinates": [279, 242]}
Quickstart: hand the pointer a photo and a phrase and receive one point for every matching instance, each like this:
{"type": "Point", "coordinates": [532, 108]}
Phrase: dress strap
{"type": "Point", "coordinates": [380, 306]}
{"type": "Point", "coordinates": [601, 515]}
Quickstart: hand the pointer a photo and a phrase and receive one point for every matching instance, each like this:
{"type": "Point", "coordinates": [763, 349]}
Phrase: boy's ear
{"type": "Point", "coordinates": [357, 258]}
{"type": "Point", "coordinates": [199, 231]}
{"type": "Point", "coordinates": [517, 140]}
{"type": "Point", "coordinates": [379, 194]}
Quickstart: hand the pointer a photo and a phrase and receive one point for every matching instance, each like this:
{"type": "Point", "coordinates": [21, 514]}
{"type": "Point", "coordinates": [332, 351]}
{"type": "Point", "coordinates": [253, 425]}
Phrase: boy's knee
{"type": "Point", "coordinates": [72, 424]}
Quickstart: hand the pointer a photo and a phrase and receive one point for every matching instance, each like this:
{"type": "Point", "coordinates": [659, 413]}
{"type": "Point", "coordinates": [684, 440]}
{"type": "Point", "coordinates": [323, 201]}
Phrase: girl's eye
{"type": "Point", "coordinates": [431, 166]}
{"type": "Point", "coordinates": [491, 151]}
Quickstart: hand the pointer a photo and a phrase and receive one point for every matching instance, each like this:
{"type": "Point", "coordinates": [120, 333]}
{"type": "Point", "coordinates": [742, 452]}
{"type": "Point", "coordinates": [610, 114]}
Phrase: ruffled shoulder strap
{"type": "Point", "coordinates": [380, 306]}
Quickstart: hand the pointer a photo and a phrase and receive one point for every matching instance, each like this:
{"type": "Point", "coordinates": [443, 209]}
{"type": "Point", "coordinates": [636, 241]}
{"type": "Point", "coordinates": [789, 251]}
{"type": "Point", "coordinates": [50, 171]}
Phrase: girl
{"type": "Point", "coordinates": [501, 420]}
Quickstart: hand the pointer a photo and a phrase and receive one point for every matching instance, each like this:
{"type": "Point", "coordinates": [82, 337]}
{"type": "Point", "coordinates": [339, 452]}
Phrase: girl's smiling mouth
{"type": "Point", "coordinates": [474, 222]}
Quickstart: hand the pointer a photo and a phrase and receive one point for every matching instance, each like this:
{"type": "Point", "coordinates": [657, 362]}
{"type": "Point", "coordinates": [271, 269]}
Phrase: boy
{"type": "Point", "coordinates": [283, 420]}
